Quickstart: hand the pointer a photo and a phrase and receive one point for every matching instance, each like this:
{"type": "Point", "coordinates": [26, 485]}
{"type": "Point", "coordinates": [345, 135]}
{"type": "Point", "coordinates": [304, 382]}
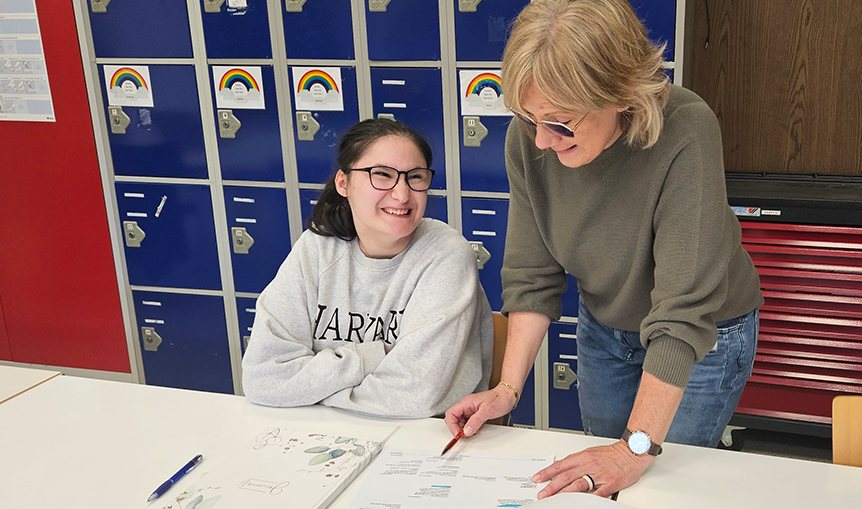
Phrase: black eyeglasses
{"type": "Point", "coordinates": [558, 128]}
{"type": "Point", "coordinates": [384, 178]}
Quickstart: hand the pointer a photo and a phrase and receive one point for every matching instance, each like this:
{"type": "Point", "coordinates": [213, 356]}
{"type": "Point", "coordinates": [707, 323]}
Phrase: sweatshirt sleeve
{"type": "Point", "coordinates": [439, 356]}
{"type": "Point", "coordinates": [279, 367]}
{"type": "Point", "coordinates": [694, 240]}
{"type": "Point", "coordinates": [533, 280]}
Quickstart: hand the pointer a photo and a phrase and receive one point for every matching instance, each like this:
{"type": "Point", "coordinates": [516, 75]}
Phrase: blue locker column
{"type": "Point", "coordinates": [155, 29]}
{"type": "Point", "coordinates": [307, 201]}
{"type": "Point", "coordinates": [403, 29]}
{"type": "Point", "coordinates": [236, 29]}
{"type": "Point", "coordinates": [184, 341]}
{"type": "Point", "coordinates": [414, 97]}
{"type": "Point", "coordinates": [169, 235]}
{"type": "Point", "coordinates": [155, 120]}
{"type": "Point", "coordinates": [325, 105]}
{"type": "Point", "coordinates": [245, 317]}
{"type": "Point", "coordinates": [484, 225]}
{"type": "Point", "coordinates": [435, 208]}
{"type": "Point", "coordinates": [525, 413]}
{"type": "Point", "coordinates": [319, 30]}
{"type": "Point", "coordinates": [260, 235]}
{"type": "Point", "coordinates": [659, 17]}
{"type": "Point", "coordinates": [563, 409]}
{"type": "Point", "coordinates": [569, 299]}
{"type": "Point", "coordinates": [481, 27]}
{"type": "Point", "coordinates": [483, 125]}
{"type": "Point", "coordinates": [246, 114]}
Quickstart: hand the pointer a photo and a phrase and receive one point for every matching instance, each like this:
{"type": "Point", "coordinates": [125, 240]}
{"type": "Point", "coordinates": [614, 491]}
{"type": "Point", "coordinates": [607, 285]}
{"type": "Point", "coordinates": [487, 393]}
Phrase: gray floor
{"type": "Point", "coordinates": [789, 445]}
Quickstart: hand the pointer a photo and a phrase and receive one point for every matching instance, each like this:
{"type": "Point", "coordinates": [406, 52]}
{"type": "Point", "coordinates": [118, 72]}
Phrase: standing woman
{"type": "Point", "coordinates": [375, 310]}
{"type": "Point", "coordinates": [616, 177]}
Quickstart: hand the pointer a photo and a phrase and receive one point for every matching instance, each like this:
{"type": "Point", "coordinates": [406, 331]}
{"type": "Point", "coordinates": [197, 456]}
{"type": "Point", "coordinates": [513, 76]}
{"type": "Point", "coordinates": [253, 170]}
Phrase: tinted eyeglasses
{"type": "Point", "coordinates": [558, 128]}
{"type": "Point", "coordinates": [384, 178]}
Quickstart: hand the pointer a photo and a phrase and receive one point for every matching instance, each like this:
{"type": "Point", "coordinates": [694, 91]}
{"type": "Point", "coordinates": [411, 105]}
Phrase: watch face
{"type": "Point", "coordinates": [639, 442]}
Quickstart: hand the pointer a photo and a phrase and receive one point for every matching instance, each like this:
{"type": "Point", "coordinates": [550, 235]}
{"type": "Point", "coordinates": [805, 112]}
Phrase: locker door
{"type": "Point", "coordinates": [484, 221]}
{"type": "Point", "coordinates": [236, 29]}
{"type": "Point", "coordinates": [184, 341]}
{"type": "Point", "coordinates": [253, 150]}
{"type": "Point", "coordinates": [129, 28]}
{"type": "Point", "coordinates": [169, 235]}
{"type": "Point", "coordinates": [165, 140]}
{"type": "Point", "coordinates": [483, 168]}
{"type": "Point", "coordinates": [480, 28]}
{"type": "Point", "coordinates": [525, 413]}
{"type": "Point", "coordinates": [260, 235]}
{"type": "Point", "coordinates": [307, 201]}
{"type": "Point", "coordinates": [403, 29]}
{"type": "Point", "coordinates": [414, 97]}
{"type": "Point", "coordinates": [569, 298]}
{"type": "Point", "coordinates": [245, 317]}
{"type": "Point", "coordinates": [318, 29]}
{"type": "Point", "coordinates": [563, 408]}
{"type": "Point", "coordinates": [435, 208]}
{"type": "Point", "coordinates": [5, 347]}
{"type": "Point", "coordinates": [319, 130]}
{"type": "Point", "coordinates": [659, 17]}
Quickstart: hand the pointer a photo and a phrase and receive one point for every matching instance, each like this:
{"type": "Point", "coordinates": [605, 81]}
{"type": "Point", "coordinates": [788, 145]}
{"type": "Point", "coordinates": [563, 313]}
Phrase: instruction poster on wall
{"type": "Point", "coordinates": [129, 85]}
{"type": "Point", "coordinates": [24, 91]}
{"type": "Point", "coordinates": [318, 88]}
{"type": "Point", "coordinates": [482, 93]}
{"type": "Point", "coordinates": [238, 87]}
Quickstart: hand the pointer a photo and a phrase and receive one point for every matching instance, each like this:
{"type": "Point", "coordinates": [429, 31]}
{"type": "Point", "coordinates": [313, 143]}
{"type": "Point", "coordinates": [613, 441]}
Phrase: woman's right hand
{"type": "Point", "coordinates": [473, 410]}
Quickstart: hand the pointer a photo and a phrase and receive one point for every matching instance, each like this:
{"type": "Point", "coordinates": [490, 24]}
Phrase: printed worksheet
{"type": "Point", "coordinates": [424, 480]}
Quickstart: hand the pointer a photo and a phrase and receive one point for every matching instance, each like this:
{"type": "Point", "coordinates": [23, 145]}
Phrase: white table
{"type": "Point", "coordinates": [15, 379]}
{"type": "Point", "coordinates": [79, 443]}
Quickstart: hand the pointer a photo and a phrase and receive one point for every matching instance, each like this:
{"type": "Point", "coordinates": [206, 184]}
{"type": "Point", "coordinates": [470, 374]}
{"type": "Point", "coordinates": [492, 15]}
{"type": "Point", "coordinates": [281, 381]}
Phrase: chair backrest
{"type": "Point", "coordinates": [847, 430]}
{"type": "Point", "coordinates": [501, 330]}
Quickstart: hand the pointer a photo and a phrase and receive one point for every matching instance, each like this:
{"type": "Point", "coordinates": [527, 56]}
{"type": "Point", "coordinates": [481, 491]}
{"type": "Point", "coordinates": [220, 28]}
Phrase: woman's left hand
{"type": "Point", "coordinates": [611, 467]}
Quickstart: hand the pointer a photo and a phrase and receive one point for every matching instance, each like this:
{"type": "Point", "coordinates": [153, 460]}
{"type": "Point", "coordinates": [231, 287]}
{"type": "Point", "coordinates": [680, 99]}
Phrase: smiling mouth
{"type": "Point", "coordinates": [397, 212]}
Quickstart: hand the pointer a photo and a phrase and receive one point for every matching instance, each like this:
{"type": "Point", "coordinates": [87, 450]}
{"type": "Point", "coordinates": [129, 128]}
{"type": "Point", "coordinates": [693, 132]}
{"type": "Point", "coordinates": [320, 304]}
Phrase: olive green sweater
{"type": "Point", "coordinates": [647, 233]}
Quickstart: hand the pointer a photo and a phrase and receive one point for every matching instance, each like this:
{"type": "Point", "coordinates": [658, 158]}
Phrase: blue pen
{"type": "Point", "coordinates": [176, 477]}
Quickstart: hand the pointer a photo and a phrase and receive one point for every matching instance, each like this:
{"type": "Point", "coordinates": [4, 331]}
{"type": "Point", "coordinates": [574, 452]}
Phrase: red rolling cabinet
{"type": "Point", "coordinates": [810, 347]}
{"type": "Point", "coordinates": [59, 298]}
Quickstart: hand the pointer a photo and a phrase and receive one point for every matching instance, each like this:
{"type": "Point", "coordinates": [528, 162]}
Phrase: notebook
{"type": "Point", "coordinates": [280, 468]}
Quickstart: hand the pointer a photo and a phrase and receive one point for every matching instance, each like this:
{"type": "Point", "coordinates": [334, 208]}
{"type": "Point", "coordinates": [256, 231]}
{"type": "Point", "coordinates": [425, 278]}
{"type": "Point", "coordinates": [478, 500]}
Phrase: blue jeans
{"type": "Point", "coordinates": [610, 363]}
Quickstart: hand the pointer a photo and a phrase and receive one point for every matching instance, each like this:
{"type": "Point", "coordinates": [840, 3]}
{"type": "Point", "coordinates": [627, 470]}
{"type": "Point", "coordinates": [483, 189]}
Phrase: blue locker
{"type": "Point", "coordinates": [245, 317]}
{"type": "Point", "coordinates": [153, 29]}
{"type": "Point", "coordinates": [659, 17]}
{"type": "Point", "coordinates": [483, 168]}
{"type": "Point", "coordinates": [484, 220]}
{"type": "Point", "coordinates": [403, 29]}
{"type": "Point", "coordinates": [318, 29]}
{"type": "Point", "coordinates": [260, 235]}
{"type": "Point", "coordinates": [525, 413]}
{"type": "Point", "coordinates": [563, 409]}
{"type": "Point", "coordinates": [254, 152]}
{"type": "Point", "coordinates": [166, 140]}
{"type": "Point", "coordinates": [569, 298]}
{"type": "Point", "coordinates": [315, 158]}
{"type": "Point", "coordinates": [414, 97]}
{"type": "Point", "coordinates": [307, 201]}
{"type": "Point", "coordinates": [435, 208]}
{"type": "Point", "coordinates": [169, 235]}
{"type": "Point", "coordinates": [236, 32]}
{"type": "Point", "coordinates": [480, 33]}
{"type": "Point", "coordinates": [184, 341]}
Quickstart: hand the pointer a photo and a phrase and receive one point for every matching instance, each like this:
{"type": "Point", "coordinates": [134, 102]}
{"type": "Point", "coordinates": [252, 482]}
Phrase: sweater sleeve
{"type": "Point", "coordinates": [279, 367]}
{"type": "Point", "coordinates": [533, 280]}
{"type": "Point", "coordinates": [694, 240]}
{"type": "Point", "coordinates": [444, 350]}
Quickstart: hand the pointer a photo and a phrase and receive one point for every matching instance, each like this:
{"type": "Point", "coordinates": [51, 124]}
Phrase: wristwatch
{"type": "Point", "coordinates": [640, 443]}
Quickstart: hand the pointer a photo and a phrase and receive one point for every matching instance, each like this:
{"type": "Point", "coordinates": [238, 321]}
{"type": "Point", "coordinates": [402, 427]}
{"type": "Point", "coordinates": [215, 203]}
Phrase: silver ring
{"type": "Point", "coordinates": [591, 485]}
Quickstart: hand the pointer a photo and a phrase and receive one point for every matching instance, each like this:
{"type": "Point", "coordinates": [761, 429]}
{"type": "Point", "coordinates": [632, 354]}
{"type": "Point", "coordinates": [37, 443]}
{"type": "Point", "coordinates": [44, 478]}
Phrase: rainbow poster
{"type": "Point", "coordinates": [481, 93]}
{"type": "Point", "coordinates": [317, 88]}
{"type": "Point", "coordinates": [129, 85]}
{"type": "Point", "coordinates": [238, 87]}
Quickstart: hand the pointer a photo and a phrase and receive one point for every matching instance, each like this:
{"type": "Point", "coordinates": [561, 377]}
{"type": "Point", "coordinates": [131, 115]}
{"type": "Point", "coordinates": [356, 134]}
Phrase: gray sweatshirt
{"type": "Point", "coordinates": [402, 337]}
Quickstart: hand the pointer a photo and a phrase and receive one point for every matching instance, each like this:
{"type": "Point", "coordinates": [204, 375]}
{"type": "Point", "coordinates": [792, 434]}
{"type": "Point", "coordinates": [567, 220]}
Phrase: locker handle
{"type": "Point", "coordinates": [293, 5]}
{"type": "Point", "coordinates": [468, 5]}
{"type": "Point", "coordinates": [99, 5]}
{"type": "Point", "coordinates": [212, 5]}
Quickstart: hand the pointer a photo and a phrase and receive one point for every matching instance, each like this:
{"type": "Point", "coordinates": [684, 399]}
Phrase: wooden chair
{"type": "Point", "coordinates": [846, 430]}
{"type": "Point", "coordinates": [501, 331]}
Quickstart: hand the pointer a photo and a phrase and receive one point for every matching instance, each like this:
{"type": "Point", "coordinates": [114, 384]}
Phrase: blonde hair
{"type": "Point", "coordinates": [584, 55]}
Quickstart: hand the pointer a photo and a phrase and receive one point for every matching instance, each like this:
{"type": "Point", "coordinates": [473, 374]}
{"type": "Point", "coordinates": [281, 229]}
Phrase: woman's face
{"type": "Point", "coordinates": [384, 220]}
{"type": "Point", "coordinates": [599, 130]}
